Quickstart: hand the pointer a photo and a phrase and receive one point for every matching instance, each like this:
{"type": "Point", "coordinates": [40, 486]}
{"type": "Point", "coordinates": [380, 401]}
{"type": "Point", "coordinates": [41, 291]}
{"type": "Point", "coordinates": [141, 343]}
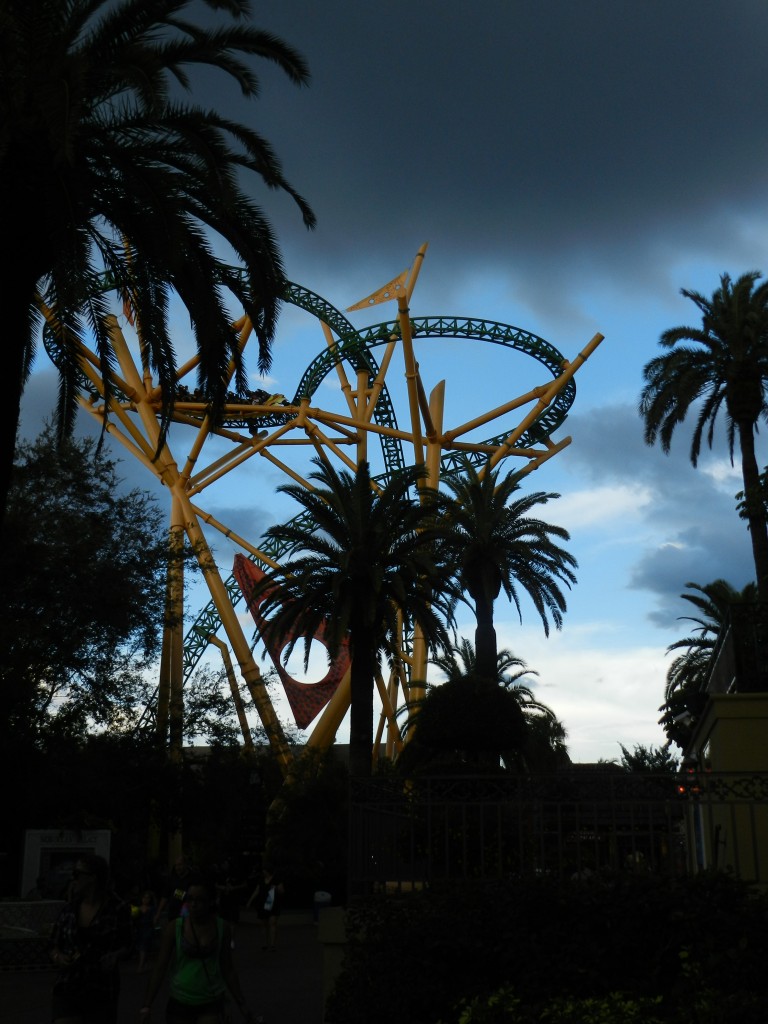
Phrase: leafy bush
{"type": "Point", "coordinates": [504, 1007]}
{"type": "Point", "coordinates": [541, 950]}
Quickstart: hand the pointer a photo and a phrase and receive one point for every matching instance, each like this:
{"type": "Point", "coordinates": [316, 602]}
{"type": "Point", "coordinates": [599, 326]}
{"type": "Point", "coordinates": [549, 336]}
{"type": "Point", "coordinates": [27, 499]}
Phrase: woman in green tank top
{"type": "Point", "coordinates": [198, 949]}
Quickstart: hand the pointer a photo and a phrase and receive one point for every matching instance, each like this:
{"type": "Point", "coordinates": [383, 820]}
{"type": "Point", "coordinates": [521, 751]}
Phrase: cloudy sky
{"type": "Point", "coordinates": [572, 167]}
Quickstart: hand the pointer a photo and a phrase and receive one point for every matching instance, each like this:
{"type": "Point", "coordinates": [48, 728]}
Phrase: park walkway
{"type": "Point", "coordinates": [286, 986]}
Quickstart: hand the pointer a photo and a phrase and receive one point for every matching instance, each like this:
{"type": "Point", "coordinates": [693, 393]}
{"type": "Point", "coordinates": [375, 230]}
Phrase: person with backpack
{"type": "Point", "coordinates": [197, 949]}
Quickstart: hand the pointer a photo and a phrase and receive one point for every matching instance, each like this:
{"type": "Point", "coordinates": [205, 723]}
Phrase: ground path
{"type": "Point", "coordinates": [285, 986]}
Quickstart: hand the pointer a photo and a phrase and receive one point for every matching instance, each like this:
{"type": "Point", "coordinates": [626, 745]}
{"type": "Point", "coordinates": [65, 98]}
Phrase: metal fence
{"type": "Point", "coordinates": [25, 928]}
{"type": "Point", "coordinates": [565, 825]}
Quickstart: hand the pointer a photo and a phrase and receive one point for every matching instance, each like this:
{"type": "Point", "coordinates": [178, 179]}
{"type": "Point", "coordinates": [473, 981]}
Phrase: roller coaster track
{"type": "Point", "coordinates": [356, 347]}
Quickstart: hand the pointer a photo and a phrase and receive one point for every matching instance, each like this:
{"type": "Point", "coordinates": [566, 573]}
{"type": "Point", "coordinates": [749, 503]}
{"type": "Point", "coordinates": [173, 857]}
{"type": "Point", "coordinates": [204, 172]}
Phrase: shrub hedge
{"type": "Point", "coordinates": [610, 949]}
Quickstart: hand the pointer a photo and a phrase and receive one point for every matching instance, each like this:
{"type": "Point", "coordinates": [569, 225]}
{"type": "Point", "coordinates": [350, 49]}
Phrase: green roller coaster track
{"type": "Point", "coordinates": [355, 347]}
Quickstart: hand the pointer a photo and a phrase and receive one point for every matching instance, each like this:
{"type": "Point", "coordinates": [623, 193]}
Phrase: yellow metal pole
{"type": "Point", "coordinates": [235, 691]}
{"type": "Point", "coordinates": [235, 635]}
{"type": "Point", "coordinates": [362, 435]}
{"type": "Point", "coordinates": [346, 387]}
{"type": "Point", "coordinates": [494, 414]}
{"type": "Point", "coordinates": [332, 716]}
{"type": "Point", "coordinates": [387, 717]}
{"type": "Point", "coordinates": [434, 445]}
{"type": "Point", "coordinates": [411, 380]}
{"type": "Point", "coordinates": [416, 268]}
{"type": "Point", "coordinates": [175, 611]}
{"type": "Point", "coordinates": [544, 401]}
{"type": "Point", "coordinates": [378, 384]}
{"type": "Point", "coordinates": [419, 661]}
{"type": "Point", "coordinates": [167, 469]}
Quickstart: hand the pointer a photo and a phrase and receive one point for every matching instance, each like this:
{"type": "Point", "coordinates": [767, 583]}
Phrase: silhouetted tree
{"type": "Point", "coordinates": [497, 545]}
{"type": "Point", "coordinates": [108, 176]}
{"type": "Point", "coordinates": [362, 561]}
{"type": "Point", "coordinates": [724, 370]}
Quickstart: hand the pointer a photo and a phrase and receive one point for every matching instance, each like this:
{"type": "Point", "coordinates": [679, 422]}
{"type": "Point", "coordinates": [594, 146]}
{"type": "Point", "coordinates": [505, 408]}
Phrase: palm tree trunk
{"type": "Point", "coordinates": [10, 409]}
{"type": "Point", "coordinates": [361, 683]}
{"type": "Point", "coordinates": [758, 527]}
{"type": "Point", "coordinates": [486, 647]}
{"type": "Point", "coordinates": [26, 234]}
{"type": "Point", "coordinates": [758, 533]}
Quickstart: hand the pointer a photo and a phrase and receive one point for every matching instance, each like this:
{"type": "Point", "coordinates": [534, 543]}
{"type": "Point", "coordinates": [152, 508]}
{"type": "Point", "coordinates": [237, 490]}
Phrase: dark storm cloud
{"type": "Point", "coordinates": [533, 134]}
{"type": "Point", "coordinates": [575, 154]}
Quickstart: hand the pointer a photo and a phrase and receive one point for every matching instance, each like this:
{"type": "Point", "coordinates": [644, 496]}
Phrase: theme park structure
{"type": "Point", "coordinates": [356, 421]}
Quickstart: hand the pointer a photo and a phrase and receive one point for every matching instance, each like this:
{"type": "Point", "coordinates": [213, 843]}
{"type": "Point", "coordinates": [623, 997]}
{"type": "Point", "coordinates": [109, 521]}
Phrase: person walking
{"type": "Point", "coordinates": [144, 928]}
{"type": "Point", "coordinates": [90, 937]}
{"type": "Point", "coordinates": [230, 895]}
{"type": "Point", "coordinates": [173, 900]}
{"type": "Point", "coordinates": [268, 898]}
{"type": "Point", "coordinates": [197, 949]}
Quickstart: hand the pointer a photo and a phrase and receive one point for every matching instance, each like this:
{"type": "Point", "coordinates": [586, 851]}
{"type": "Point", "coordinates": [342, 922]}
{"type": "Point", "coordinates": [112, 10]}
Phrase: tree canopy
{"type": "Point", "coordinates": [83, 591]}
{"type": "Point", "coordinates": [648, 759]}
{"type": "Point", "coordinates": [685, 690]}
{"type": "Point", "coordinates": [361, 562]}
{"type": "Point", "coordinates": [465, 723]}
{"type": "Point", "coordinates": [721, 373]}
{"type": "Point", "coordinates": [112, 179]}
{"type": "Point", "coordinates": [496, 544]}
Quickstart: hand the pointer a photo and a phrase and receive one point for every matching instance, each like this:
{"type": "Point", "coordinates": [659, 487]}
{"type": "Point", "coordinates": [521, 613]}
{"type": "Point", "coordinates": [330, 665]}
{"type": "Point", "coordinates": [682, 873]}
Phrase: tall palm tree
{"type": "Point", "coordinates": [724, 369]}
{"type": "Point", "coordinates": [110, 178]}
{"type": "Point", "coordinates": [363, 563]}
{"type": "Point", "coordinates": [684, 694]}
{"type": "Point", "coordinates": [497, 545]}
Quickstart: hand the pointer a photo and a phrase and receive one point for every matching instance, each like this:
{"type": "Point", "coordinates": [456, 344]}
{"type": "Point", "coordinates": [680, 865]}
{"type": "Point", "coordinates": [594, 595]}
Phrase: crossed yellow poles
{"type": "Point", "coordinates": [130, 413]}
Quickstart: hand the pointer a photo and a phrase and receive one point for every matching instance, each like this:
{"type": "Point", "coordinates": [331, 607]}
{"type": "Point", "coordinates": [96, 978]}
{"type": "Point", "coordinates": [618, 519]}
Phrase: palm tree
{"type": "Point", "coordinates": [460, 661]}
{"type": "Point", "coordinates": [110, 180]}
{"type": "Point", "coordinates": [363, 563]}
{"type": "Point", "coordinates": [464, 719]}
{"type": "Point", "coordinates": [727, 365]}
{"type": "Point", "coordinates": [498, 545]}
{"type": "Point", "coordinates": [543, 744]}
{"type": "Point", "coordinates": [684, 694]}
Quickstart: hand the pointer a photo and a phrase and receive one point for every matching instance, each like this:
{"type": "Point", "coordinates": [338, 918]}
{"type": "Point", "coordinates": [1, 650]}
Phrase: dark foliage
{"type": "Point", "coordinates": [357, 558]}
{"type": "Point", "coordinates": [718, 372]}
{"type": "Point", "coordinates": [82, 598]}
{"type": "Point", "coordinates": [110, 174]}
{"type": "Point", "coordinates": [307, 827]}
{"type": "Point", "coordinates": [464, 723]}
{"type": "Point", "coordinates": [417, 959]}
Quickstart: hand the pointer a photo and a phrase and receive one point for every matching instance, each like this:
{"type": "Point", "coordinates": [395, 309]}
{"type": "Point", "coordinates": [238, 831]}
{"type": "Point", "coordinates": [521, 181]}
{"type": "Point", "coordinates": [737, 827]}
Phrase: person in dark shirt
{"type": "Point", "coordinates": [229, 890]}
{"type": "Point", "coordinates": [174, 899]}
{"type": "Point", "coordinates": [268, 899]}
{"type": "Point", "coordinates": [90, 937]}
{"type": "Point", "coordinates": [144, 928]}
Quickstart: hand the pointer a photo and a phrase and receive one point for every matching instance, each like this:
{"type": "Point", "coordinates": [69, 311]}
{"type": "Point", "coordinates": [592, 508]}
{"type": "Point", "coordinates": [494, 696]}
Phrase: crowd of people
{"type": "Point", "coordinates": [183, 930]}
